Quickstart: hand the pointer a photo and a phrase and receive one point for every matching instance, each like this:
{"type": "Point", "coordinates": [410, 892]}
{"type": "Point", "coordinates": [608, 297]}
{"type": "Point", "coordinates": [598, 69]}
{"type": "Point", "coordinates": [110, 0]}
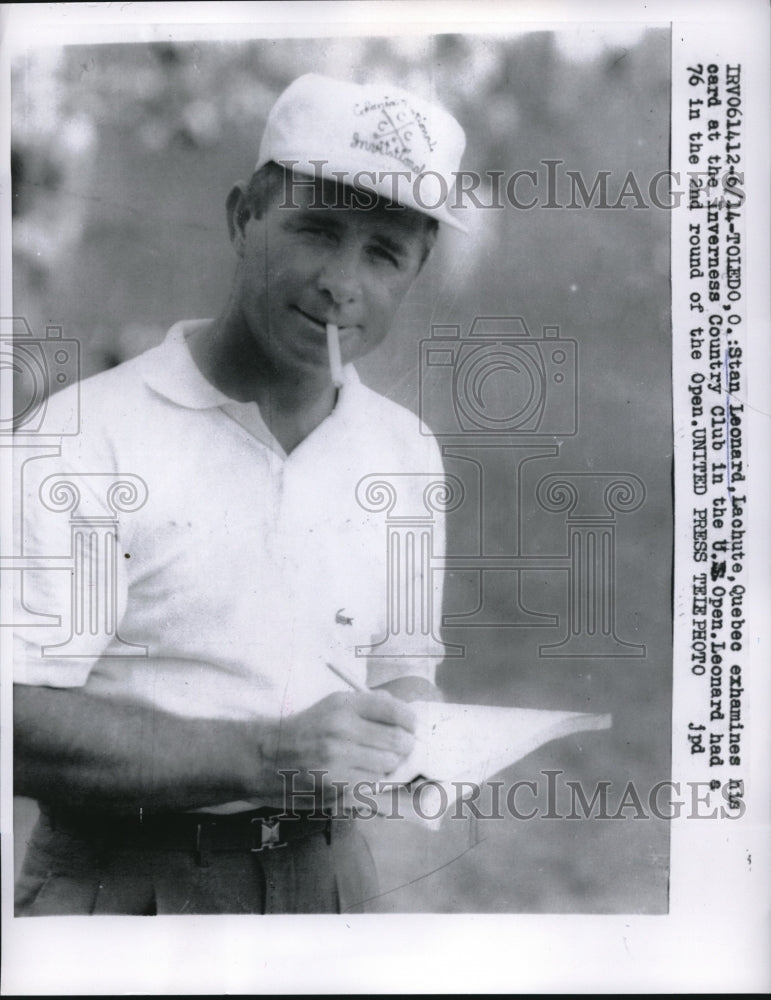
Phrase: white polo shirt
{"type": "Point", "coordinates": [246, 570]}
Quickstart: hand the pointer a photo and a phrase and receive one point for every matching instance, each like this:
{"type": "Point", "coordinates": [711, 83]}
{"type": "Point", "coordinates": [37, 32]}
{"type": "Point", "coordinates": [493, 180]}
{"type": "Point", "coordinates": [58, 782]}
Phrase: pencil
{"type": "Point", "coordinates": [348, 678]}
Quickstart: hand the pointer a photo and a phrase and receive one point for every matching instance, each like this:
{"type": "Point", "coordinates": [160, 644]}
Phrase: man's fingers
{"type": "Point", "coordinates": [368, 763]}
{"type": "Point", "coordinates": [387, 738]}
{"type": "Point", "coordinates": [380, 706]}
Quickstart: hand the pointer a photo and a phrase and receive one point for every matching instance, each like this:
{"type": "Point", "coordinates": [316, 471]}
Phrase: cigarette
{"type": "Point", "coordinates": [335, 361]}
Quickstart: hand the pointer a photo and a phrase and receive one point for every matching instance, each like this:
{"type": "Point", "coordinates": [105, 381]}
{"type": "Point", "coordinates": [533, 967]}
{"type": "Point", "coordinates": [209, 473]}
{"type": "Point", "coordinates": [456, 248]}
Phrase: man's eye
{"type": "Point", "coordinates": [318, 232]}
{"type": "Point", "coordinates": [385, 255]}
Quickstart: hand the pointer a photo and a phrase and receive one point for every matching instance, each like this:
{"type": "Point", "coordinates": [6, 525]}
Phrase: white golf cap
{"type": "Point", "coordinates": [375, 137]}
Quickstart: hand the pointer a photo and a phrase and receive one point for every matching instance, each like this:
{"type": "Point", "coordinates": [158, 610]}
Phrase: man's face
{"type": "Point", "coordinates": [303, 267]}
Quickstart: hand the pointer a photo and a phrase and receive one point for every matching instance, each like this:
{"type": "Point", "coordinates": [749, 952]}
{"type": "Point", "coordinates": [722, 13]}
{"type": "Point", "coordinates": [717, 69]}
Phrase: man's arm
{"type": "Point", "coordinates": [85, 751]}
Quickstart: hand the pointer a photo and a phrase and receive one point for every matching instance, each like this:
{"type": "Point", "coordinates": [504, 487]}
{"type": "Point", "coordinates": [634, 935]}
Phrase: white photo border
{"type": "Point", "coordinates": [716, 936]}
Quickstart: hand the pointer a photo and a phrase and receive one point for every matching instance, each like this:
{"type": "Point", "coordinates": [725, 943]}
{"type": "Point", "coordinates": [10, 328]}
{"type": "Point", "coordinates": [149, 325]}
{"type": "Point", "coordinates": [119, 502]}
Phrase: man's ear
{"type": "Point", "coordinates": [238, 214]}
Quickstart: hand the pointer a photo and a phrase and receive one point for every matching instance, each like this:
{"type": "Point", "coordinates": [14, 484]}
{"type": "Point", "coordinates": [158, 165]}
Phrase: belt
{"type": "Point", "coordinates": [252, 831]}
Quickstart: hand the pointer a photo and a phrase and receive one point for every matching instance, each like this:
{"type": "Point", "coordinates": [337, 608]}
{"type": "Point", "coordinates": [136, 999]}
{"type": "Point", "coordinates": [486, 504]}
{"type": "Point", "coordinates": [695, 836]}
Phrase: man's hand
{"type": "Point", "coordinates": [412, 688]}
{"type": "Point", "coordinates": [350, 737]}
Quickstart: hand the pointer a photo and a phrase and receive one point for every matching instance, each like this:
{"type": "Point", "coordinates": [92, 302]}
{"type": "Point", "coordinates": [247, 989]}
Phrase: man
{"type": "Point", "coordinates": [195, 705]}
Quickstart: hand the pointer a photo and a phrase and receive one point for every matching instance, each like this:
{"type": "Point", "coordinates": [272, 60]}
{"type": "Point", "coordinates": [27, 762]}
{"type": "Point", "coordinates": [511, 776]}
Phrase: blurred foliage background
{"type": "Point", "coordinates": [122, 156]}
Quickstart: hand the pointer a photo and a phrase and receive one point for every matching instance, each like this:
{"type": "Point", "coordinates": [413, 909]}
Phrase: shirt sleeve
{"type": "Point", "coordinates": [70, 583]}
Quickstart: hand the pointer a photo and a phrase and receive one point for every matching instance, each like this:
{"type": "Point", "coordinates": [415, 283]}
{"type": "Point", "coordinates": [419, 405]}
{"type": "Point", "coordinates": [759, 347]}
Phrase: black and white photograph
{"type": "Point", "coordinates": [379, 511]}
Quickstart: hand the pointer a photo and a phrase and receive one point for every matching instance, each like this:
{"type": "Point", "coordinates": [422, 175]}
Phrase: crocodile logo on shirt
{"type": "Point", "coordinates": [342, 619]}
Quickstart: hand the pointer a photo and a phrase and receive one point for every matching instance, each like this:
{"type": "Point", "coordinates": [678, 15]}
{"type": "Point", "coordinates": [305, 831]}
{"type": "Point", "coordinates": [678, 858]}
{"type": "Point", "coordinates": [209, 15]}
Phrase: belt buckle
{"type": "Point", "coordinates": [270, 831]}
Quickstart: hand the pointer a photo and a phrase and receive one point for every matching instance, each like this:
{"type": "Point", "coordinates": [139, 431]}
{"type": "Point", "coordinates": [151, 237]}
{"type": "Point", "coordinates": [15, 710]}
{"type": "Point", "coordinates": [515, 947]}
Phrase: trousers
{"type": "Point", "coordinates": [67, 871]}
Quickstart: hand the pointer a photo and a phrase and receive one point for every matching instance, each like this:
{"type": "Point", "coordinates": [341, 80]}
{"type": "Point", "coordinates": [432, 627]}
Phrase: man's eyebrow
{"type": "Point", "coordinates": [392, 243]}
{"type": "Point", "coordinates": [318, 216]}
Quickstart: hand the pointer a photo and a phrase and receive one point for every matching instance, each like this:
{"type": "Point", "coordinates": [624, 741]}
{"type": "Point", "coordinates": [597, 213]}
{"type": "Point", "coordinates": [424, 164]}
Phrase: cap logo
{"type": "Point", "coordinates": [393, 133]}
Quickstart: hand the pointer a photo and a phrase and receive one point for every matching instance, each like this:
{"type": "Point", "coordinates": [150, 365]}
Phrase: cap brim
{"type": "Point", "coordinates": [382, 188]}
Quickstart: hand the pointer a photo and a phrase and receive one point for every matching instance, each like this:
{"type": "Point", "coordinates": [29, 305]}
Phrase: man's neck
{"type": "Point", "coordinates": [291, 405]}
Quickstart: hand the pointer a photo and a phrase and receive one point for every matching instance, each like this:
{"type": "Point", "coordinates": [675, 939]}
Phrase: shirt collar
{"type": "Point", "coordinates": [171, 371]}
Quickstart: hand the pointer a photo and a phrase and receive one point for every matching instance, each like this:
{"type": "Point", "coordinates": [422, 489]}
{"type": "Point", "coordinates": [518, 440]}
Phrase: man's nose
{"type": "Point", "coordinates": [341, 279]}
